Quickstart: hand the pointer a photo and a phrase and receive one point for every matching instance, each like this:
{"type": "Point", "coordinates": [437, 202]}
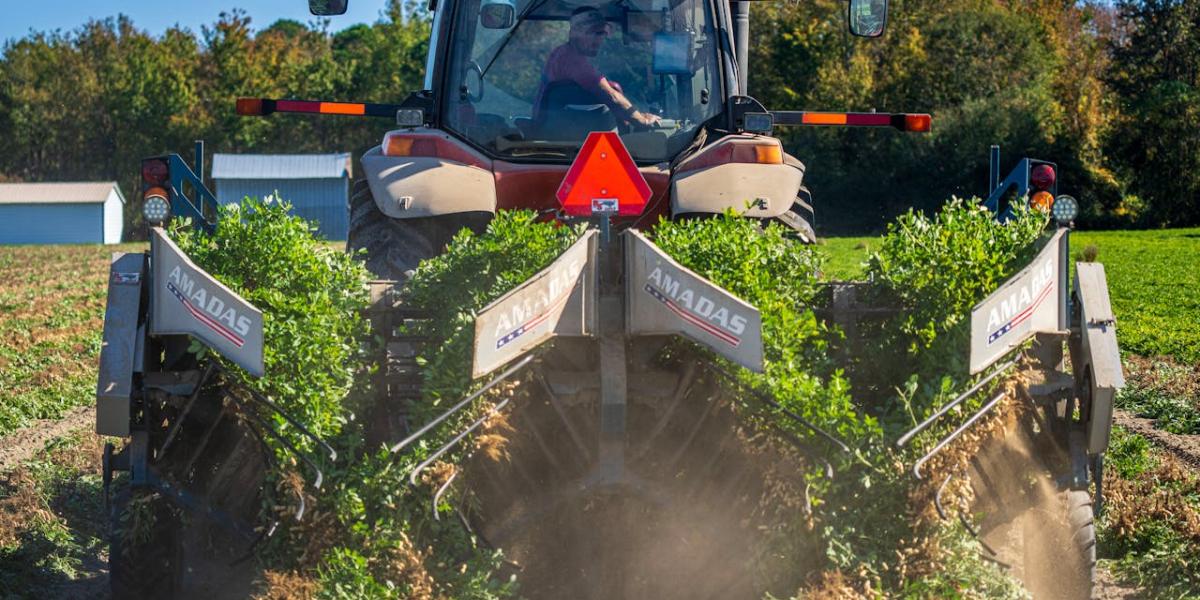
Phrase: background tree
{"type": "Point", "coordinates": [1156, 142]}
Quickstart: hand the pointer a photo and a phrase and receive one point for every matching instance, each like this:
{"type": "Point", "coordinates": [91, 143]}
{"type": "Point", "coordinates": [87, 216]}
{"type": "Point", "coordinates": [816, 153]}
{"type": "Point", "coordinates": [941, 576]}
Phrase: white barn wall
{"type": "Point", "coordinates": [114, 218]}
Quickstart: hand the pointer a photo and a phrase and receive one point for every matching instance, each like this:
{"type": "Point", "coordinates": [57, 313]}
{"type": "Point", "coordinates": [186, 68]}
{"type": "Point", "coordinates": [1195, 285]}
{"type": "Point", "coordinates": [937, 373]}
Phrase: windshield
{"type": "Point", "coordinates": [531, 78]}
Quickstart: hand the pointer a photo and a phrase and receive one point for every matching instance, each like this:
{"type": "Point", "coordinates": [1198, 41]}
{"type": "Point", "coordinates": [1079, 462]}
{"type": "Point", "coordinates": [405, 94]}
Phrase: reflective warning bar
{"type": "Point", "coordinates": [918, 122]}
{"type": "Point", "coordinates": [261, 107]}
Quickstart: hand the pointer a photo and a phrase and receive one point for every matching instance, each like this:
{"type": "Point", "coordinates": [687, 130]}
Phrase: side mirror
{"type": "Point", "coordinates": [498, 14]}
{"type": "Point", "coordinates": [325, 8]}
{"type": "Point", "coordinates": [868, 17]}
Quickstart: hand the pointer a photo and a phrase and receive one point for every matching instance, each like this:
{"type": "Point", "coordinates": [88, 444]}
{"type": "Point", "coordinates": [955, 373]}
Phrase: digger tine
{"type": "Point", "coordinates": [556, 403]}
{"type": "Point", "coordinates": [777, 406]}
{"type": "Point", "coordinates": [291, 448]}
{"type": "Point", "coordinates": [541, 442]}
{"type": "Point", "coordinates": [904, 439]}
{"type": "Point", "coordinates": [710, 465]}
{"type": "Point", "coordinates": [685, 384]}
{"type": "Point", "coordinates": [957, 432]}
{"type": "Point", "coordinates": [457, 407]}
{"type": "Point", "coordinates": [962, 518]}
{"type": "Point", "coordinates": [437, 496]}
{"type": "Point", "coordinates": [258, 397]}
{"type": "Point", "coordinates": [712, 402]}
{"type": "Point", "coordinates": [204, 439]}
{"type": "Point", "coordinates": [187, 409]}
{"type": "Point", "coordinates": [412, 478]}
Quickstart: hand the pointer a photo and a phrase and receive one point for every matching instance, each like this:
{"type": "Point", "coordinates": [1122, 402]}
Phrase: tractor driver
{"type": "Point", "coordinates": [569, 63]}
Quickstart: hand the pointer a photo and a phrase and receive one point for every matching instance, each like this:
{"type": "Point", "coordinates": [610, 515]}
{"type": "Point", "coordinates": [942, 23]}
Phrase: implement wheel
{"type": "Point", "coordinates": [396, 246]}
{"type": "Point", "coordinates": [145, 557]}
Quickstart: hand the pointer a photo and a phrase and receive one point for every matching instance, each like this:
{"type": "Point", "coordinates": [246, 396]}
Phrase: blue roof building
{"type": "Point", "coordinates": [316, 185]}
{"type": "Point", "coordinates": [61, 213]}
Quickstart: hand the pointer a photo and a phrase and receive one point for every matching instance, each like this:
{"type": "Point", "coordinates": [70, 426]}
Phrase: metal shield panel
{"type": "Point", "coordinates": [559, 300]}
{"type": "Point", "coordinates": [186, 300]}
{"type": "Point", "coordinates": [1030, 302]}
{"type": "Point", "coordinates": [664, 298]}
{"type": "Point", "coordinates": [118, 351]}
{"type": "Point", "coordinates": [1101, 356]}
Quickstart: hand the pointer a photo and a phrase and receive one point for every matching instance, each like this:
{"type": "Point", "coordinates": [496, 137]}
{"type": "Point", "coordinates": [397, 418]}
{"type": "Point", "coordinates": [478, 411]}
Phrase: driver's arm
{"type": "Point", "coordinates": [616, 98]}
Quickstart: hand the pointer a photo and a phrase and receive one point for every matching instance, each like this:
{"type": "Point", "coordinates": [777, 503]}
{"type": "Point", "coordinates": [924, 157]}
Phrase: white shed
{"type": "Point", "coordinates": [61, 213]}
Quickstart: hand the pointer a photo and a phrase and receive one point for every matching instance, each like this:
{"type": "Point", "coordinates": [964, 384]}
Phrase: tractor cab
{"type": "Point", "coordinates": [532, 80]}
{"type": "Point", "coordinates": [527, 80]}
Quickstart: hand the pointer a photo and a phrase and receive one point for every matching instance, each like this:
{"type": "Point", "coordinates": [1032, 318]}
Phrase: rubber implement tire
{"type": "Point", "coordinates": [394, 247]}
{"type": "Point", "coordinates": [1083, 536]}
{"type": "Point", "coordinates": [148, 565]}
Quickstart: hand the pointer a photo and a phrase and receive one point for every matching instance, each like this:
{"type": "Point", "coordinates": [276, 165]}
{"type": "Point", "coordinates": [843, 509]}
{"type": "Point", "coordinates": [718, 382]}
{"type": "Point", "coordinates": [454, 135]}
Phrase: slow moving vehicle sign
{"type": "Point", "coordinates": [603, 180]}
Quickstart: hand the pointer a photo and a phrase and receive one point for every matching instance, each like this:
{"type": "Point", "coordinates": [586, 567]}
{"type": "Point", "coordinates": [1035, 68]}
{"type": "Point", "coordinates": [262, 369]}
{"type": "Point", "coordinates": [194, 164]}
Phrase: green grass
{"type": "Point", "coordinates": [52, 523]}
{"type": "Point", "coordinates": [1154, 282]}
{"type": "Point", "coordinates": [1148, 534]}
{"type": "Point", "coordinates": [846, 256]}
{"type": "Point", "coordinates": [51, 320]}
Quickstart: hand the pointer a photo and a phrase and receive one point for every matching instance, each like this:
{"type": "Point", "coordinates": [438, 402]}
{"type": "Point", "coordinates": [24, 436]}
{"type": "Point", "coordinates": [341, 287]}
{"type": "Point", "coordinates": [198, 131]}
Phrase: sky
{"type": "Point", "coordinates": [18, 18]}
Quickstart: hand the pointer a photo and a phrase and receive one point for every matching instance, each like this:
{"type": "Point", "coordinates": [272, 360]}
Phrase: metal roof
{"type": "Point", "coordinates": [280, 166]}
{"type": "Point", "coordinates": [76, 192]}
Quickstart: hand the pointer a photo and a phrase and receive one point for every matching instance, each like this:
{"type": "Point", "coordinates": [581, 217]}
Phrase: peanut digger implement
{"type": "Point", "coordinates": [613, 450]}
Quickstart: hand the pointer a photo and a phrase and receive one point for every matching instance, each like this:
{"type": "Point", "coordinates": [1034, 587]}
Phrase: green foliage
{"type": "Point", "coordinates": [778, 276]}
{"type": "Point", "coordinates": [935, 269]}
{"type": "Point", "coordinates": [1129, 454]}
{"type": "Point", "coordinates": [311, 297]}
{"type": "Point", "coordinates": [474, 270]}
{"type": "Point", "coordinates": [1157, 83]}
{"type": "Point", "coordinates": [1152, 278]}
{"type": "Point", "coordinates": [1163, 390]}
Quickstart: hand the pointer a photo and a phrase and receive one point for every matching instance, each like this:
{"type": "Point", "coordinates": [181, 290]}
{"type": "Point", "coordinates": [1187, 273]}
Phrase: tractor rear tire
{"type": "Point", "coordinates": [394, 247]}
{"type": "Point", "coordinates": [146, 563]}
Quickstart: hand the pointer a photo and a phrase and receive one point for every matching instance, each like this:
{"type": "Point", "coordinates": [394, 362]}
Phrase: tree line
{"type": "Point", "coordinates": [1110, 92]}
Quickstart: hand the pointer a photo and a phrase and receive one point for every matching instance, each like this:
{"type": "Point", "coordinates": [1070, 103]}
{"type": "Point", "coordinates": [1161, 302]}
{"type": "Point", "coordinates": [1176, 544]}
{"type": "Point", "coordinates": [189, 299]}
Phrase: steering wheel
{"type": "Point", "coordinates": [473, 66]}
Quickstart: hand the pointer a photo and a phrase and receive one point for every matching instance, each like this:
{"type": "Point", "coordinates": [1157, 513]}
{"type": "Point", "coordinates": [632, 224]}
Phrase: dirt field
{"type": "Point", "coordinates": [53, 522]}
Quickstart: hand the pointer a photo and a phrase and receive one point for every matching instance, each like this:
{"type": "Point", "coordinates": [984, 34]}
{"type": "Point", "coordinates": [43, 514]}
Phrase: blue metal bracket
{"type": "Point", "coordinates": [181, 205]}
{"type": "Point", "coordinates": [1017, 178]}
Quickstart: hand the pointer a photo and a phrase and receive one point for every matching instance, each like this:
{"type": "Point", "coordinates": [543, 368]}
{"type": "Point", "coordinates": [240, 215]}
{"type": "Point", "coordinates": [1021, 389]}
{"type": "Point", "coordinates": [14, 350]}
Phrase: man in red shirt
{"type": "Point", "coordinates": [569, 62]}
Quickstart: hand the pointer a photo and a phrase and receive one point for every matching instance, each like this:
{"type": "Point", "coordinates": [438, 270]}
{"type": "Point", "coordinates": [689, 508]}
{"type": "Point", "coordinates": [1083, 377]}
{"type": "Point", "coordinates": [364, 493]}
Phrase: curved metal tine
{"type": "Point", "coordinates": [804, 449]}
{"type": "Point", "coordinates": [437, 496]}
{"type": "Point", "coordinates": [962, 518]}
{"type": "Point", "coordinates": [681, 391]}
{"type": "Point", "coordinates": [291, 448]}
{"type": "Point", "coordinates": [777, 406]}
{"type": "Point", "coordinates": [416, 435]}
{"type": "Point", "coordinates": [269, 531]}
{"type": "Point", "coordinates": [187, 408]}
{"type": "Point", "coordinates": [258, 397]}
{"type": "Point", "coordinates": [907, 437]}
{"type": "Point", "coordinates": [556, 404]}
{"type": "Point", "coordinates": [937, 498]}
{"type": "Point", "coordinates": [957, 432]}
{"type": "Point", "coordinates": [412, 478]}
